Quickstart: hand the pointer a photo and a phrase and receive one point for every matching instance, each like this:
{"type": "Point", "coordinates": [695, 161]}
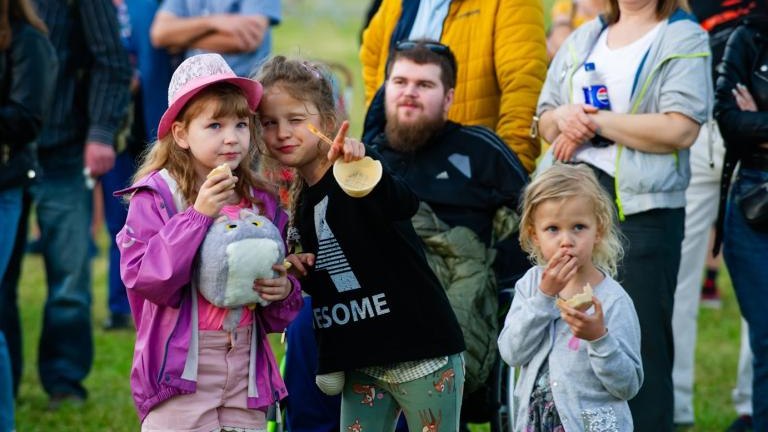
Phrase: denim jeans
{"type": "Point", "coordinates": [63, 208]}
{"type": "Point", "coordinates": [115, 213]}
{"type": "Point", "coordinates": [309, 410]}
{"type": "Point", "coordinates": [6, 389]}
{"type": "Point", "coordinates": [9, 313]}
{"type": "Point", "coordinates": [745, 251]}
{"type": "Point", "coordinates": [10, 211]}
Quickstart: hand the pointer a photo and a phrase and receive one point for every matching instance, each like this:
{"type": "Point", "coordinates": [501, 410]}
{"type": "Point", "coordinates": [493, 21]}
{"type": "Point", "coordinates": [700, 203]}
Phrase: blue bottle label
{"type": "Point", "coordinates": [597, 96]}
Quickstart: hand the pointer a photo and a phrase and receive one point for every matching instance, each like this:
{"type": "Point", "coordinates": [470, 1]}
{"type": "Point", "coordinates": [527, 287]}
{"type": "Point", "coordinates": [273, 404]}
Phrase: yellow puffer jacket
{"type": "Point", "coordinates": [500, 46]}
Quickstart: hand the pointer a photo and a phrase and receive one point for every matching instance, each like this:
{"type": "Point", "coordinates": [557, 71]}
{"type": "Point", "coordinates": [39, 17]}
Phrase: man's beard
{"type": "Point", "coordinates": [411, 136]}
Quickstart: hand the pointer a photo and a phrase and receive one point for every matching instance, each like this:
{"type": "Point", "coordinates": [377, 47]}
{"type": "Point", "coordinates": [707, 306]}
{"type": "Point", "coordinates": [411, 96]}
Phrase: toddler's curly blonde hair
{"type": "Point", "coordinates": [563, 181]}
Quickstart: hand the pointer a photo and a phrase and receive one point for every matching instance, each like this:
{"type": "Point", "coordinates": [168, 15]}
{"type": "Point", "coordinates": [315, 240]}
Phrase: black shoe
{"type": "Point", "coordinates": [59, 400]}
{"type": "Point", "coordinates": [118, 321]}
{"type": "Point", "coordinates": [742, 424]}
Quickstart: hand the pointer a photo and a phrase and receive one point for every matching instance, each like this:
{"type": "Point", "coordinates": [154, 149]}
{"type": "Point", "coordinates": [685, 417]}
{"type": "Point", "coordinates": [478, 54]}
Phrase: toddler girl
{"type": "Point", "coordinates": [578, 368]}
{"type": "Point", "coordinates": [380, 314]}
{"type": "Point", "coordinates": [193, 368]}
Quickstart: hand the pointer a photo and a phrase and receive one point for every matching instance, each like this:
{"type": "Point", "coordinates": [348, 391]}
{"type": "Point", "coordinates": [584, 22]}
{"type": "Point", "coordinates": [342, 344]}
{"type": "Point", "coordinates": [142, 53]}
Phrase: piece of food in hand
{"type": "Point", "coordinates": [221, 169]}
{"type": "Point", "coordinates": [357, 179]}
{"type": "Point", "coordinates": [581, 301]}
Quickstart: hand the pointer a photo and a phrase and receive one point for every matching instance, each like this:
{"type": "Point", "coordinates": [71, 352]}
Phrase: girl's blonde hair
{"type": "Point", "coordinates": [312, 84]}
{"type": "Point", "coordinates": [563, 181]}
{"type": "Point", "coordinates": [165, 153]}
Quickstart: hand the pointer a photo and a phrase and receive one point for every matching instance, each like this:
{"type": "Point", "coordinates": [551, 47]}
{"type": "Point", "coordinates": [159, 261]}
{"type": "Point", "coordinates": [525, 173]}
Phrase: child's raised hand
{"type": "Point", "coordinates": [274, 289]}
{"type": "Point", "coordinates": [350, 148]}
{"type": "Point", "coordinates": [583, 326]}
{"type": "Point", "coordinates": [560, 269]}
{"type": "Point", "coordinates": [300, 263]}
{"type": "Point", "coordinates": [214, 193]}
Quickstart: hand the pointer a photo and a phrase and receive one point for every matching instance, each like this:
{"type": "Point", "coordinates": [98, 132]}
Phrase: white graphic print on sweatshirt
{"type": "Point", "coordinates": [330, 257]}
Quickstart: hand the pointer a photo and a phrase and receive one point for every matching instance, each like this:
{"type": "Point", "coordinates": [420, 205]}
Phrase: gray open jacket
{"type": "Point", "coordinates": [674, 76]}
{"type": "Point", "coordinates": [590, 381]}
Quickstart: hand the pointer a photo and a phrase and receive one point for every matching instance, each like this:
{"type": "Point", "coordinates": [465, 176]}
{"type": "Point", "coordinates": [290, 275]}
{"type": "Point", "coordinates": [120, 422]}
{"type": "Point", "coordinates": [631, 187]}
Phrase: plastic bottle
{"type": "Point", "coordinates": [596, 94]}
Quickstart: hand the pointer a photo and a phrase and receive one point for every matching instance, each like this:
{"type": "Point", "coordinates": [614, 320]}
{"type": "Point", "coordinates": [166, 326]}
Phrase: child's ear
{"type": "Point", "coordinates": [532, 234]}
{"type": "Point", "coordinates": [180, 134]}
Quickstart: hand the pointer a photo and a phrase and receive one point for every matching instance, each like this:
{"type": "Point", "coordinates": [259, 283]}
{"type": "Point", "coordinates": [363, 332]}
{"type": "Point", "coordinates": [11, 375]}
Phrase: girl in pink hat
{"type": "Point", "coordinates": [202, 361]}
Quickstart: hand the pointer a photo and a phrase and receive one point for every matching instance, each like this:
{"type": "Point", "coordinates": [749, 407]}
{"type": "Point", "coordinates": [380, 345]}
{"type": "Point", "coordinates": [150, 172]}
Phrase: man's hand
{"type": "Point", "coordinates": [99, 158]}
{"type": "Point", "coordinates": [583, 326]}
{"type": "Point", "coordinates": [249, 30]}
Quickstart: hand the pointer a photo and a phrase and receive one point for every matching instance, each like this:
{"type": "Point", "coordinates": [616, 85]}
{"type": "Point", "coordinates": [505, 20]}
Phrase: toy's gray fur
{"type": "Point", "coordinates": [233, 255]}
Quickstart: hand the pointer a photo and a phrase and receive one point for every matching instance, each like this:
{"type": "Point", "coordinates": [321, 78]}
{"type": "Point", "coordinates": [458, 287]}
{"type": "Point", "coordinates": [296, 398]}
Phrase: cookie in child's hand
{"type": "Point", "coordinates": [221, 169]}
{"type": "Point", "coordinates": [581, 301]}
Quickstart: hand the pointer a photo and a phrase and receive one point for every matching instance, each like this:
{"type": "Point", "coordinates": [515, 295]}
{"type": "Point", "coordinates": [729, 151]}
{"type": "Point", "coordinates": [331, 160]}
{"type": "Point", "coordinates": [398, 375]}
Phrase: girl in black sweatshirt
{"type": "Point", "coordinates": [382, 321]}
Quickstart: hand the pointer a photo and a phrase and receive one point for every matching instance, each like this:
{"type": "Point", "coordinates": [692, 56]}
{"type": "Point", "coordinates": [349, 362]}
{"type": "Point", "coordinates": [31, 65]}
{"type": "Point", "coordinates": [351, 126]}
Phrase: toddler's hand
{"type": "Point", "coordinates": [350, 148]}
{"type": "Point", "coordinates": [300, 263]}
{"type": "Point", "coordinates": [214, 193]}
{"type": "Point", "coordinates": [274, 289]}
{"type": "Point", "coordinates": [560, 269]}
{"type": "Point", "coordinates": [583, 326]}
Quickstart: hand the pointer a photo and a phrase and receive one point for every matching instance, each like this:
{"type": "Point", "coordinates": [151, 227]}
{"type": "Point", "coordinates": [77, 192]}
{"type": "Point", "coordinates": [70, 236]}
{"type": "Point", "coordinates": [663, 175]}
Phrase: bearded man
{"type": "Point", "coordinates": [470, 182]}
{"type": "Point", "coordinates": [465, 173]}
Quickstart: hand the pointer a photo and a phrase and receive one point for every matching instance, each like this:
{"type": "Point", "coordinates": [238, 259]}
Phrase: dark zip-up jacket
{"type": "Point", "coordinates": [92, 86]}
{"type": "Point", "coordinates": [27, 71]}
{"type": "Point", "coordinates": [745, 61]}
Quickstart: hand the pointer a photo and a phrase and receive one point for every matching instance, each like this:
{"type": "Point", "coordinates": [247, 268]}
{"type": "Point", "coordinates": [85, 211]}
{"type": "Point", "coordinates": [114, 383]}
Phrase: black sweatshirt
{"type": "Point", "coordinates": [375, 300]}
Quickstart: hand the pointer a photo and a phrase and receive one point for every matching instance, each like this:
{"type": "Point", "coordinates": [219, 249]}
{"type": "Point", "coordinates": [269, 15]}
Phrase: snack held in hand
{"type": "Point", "coordinates": [221, 169]}
{"type": "Point", "coordinates": [581, 301]}
{"type": "Point", "coordinates": [357, 178]}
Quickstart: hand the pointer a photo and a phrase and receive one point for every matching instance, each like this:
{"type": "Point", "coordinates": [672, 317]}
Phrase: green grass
{"type": "Point", "coordinates": [325, 30]}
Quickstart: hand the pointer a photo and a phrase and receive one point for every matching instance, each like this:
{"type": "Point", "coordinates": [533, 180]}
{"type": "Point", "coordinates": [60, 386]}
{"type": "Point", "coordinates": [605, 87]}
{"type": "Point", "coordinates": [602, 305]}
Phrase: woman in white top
{"type": "Point", "coordinates": [651, 58]}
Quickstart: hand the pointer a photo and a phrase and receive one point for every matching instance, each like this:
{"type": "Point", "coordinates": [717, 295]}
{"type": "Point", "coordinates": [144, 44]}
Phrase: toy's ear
{"type": "Point", "coordinates": [221, 218]}
{"type": "Point", "coordinates": [246, 214]}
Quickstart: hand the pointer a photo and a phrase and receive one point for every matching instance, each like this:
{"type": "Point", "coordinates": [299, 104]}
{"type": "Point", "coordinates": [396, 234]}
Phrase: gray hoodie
{"type": "Point", "coordinates": [590, 381]}
{"type": "Point", "coordinates": [673, 77]}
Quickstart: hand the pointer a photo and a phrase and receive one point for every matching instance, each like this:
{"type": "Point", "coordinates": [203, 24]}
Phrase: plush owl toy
{"type": "Point", "coordinates": [236, 252]}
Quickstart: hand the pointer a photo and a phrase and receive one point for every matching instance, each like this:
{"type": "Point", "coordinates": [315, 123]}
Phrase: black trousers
{"type": "Point", "coordinates": [648, 272]}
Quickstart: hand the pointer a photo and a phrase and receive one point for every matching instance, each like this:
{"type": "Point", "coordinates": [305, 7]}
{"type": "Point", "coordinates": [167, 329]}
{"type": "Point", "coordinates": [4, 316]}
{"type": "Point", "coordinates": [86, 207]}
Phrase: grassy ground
{"type": "Point", "coordinates": [327, 30]}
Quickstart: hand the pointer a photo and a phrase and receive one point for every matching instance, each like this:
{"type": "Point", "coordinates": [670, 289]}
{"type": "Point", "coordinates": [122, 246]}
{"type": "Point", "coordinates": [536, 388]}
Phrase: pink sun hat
{"type": "Point", "coordinates": [195, 74]}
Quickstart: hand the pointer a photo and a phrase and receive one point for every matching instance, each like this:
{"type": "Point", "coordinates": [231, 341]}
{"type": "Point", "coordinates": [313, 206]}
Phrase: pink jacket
{"type": "Point", "coordinates": [157, 250]}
